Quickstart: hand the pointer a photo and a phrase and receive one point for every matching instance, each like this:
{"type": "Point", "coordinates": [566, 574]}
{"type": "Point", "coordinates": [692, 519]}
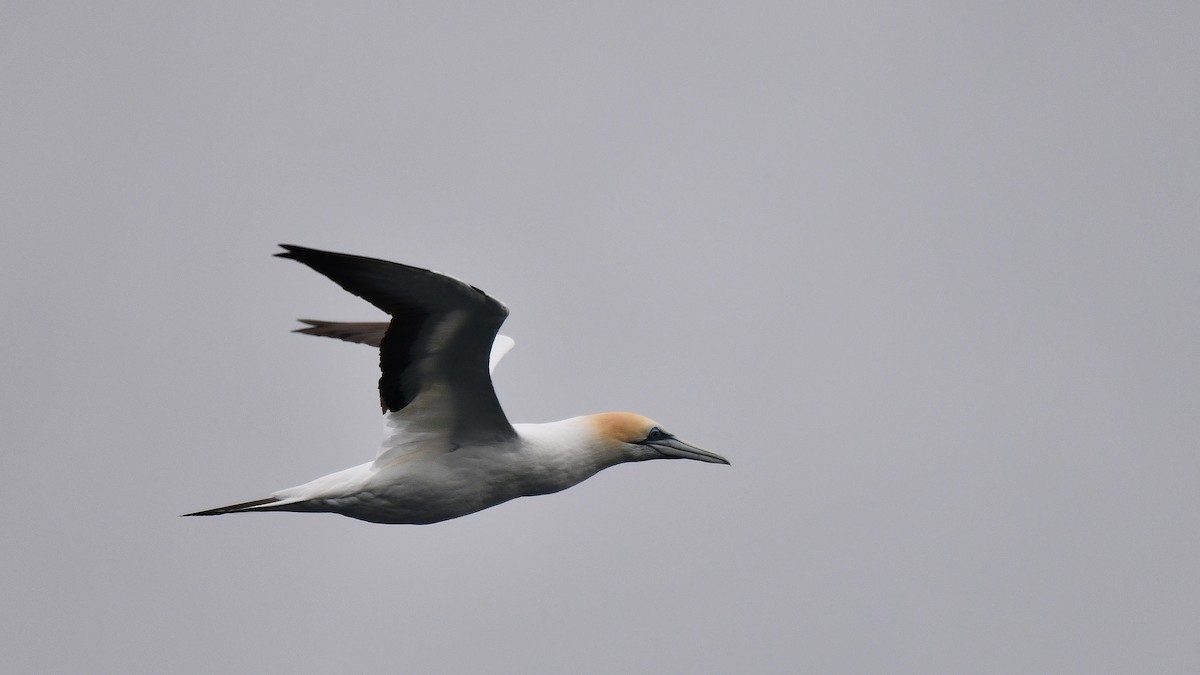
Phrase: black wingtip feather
{"type": "Point", "coordinates": [363, 332]}
{"type": "Point", "coordinates": [311, 324]}
{"type": "Point", "coordinates": [289, 251]}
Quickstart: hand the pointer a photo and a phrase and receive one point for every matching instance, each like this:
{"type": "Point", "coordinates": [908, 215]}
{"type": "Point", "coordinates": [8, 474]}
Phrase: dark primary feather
{"type": "Point", "coordinates": [362, 332]}
{"type": "Point", "coordinates": [440, 328]}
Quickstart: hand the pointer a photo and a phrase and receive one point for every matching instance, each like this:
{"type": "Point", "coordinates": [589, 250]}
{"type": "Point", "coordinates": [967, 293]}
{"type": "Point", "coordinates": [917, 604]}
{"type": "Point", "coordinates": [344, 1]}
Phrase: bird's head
{"type": "Point", "coordinates": [638, 438]}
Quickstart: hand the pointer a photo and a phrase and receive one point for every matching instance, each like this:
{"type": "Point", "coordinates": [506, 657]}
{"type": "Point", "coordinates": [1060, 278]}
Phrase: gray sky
{"type": "Point", "coordinates": [927, 275]}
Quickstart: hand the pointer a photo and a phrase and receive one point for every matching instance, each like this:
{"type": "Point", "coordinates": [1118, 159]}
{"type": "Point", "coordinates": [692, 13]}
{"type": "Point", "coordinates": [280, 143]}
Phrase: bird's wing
{"type": "Point", "coordinates": [501, 346]}
{"type": "Point", "coordinates": [371, 333]}
{"type": "Point", "coordinates": [435, 385]}
{"type": "Point", "coordinates": [363, 332]}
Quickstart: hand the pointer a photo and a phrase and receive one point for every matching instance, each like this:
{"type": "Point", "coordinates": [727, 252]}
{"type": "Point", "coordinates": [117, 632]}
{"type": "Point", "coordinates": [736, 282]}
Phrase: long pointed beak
{"type": "Point", "coordinates": [677, 449]}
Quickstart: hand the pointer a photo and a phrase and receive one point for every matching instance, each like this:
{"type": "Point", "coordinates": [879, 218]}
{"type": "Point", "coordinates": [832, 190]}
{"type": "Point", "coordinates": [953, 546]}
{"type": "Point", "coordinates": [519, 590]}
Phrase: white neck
{"type": "Point", "coordinates": [564, 453]}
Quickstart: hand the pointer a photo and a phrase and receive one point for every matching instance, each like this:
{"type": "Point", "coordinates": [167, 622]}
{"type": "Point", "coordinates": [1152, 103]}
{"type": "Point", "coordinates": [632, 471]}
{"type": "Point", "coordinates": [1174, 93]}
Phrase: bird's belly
{"type": "Point", "coordinates": [385, 506]}
{"type": "Point", "coordinates": [425, 493]}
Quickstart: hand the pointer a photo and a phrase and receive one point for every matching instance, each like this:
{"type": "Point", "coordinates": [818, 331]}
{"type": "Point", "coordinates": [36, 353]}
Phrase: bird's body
{"type": "Point", "coordinates": [431, 484]}
{"type": "Point", "coordinates": [450, 451]}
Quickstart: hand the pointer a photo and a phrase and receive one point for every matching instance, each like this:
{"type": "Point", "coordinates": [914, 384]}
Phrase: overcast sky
{"type": "Point", "coordinates": [928, 274]}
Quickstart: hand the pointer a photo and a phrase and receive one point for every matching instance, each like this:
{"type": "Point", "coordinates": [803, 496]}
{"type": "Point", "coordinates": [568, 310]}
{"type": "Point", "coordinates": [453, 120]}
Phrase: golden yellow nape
{"type": "Point", "coordinates": [623, 427]}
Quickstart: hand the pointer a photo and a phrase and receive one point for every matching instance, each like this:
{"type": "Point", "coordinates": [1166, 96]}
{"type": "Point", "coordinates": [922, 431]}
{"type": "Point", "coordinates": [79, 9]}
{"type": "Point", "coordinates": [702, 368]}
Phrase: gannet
{"type": "Point", "coordinates": [450, 450]}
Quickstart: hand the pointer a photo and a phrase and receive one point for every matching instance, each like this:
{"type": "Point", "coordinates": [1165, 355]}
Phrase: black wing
{"type": "Point", "coordinates": [437, 342]}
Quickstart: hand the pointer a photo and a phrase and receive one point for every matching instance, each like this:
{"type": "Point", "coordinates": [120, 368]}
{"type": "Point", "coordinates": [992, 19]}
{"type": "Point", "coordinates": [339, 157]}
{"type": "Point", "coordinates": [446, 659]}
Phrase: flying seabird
{"type": "Point", "coordinates": [450, 450]}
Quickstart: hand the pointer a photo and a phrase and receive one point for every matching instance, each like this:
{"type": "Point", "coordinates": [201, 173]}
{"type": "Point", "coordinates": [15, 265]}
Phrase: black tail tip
{"type": "Point", "coordinates": [233, 508]}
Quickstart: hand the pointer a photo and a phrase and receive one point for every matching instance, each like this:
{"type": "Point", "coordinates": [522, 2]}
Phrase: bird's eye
{"type": "Point", "coordinates": [655, 434]}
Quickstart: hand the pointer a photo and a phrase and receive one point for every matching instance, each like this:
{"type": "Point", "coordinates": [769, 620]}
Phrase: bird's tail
{"type": "Point", "coordinates": [256, 505]}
